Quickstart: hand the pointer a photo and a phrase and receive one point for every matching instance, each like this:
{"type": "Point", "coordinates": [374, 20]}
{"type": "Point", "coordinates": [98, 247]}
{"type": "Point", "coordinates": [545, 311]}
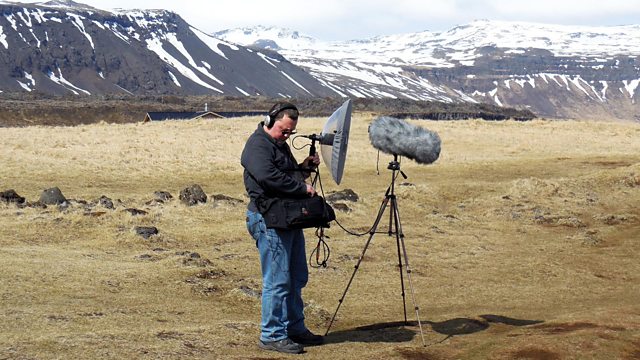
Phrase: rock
{"type": "Point", "coordinates": [250, 292]}
{"type": "Point", "coordinates": [52, 196]}
{"type": "Point", "coordinates": [36, 205]}
{"type": "Point", "coordinates": [10, 196]}
{"type": "Point", "coordinates": [162, 196]}
{"type": "Point", "coordinates": [134, 211]}
{"type": "Point", "coordinates": [344, 195]}
{"type": "Point", "coordinates": [217, 198]}
{"type": "Point", "coordinates": [106, 202]}
{"type": "Point", "coordinates": [341, 207]}
{"type": "Point", "coordinates": [193, 195]}
{"type": "Point", "coordinates": [194, 259]}
{"type": "Point", "coordinates": [146, 231]}
{"type": "Point", "coordinates": [568, 221]}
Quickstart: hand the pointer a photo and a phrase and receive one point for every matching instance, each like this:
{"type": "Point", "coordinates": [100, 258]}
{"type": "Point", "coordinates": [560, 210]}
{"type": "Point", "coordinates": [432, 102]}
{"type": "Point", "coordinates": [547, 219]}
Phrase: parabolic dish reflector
{"type": "Point", "coordinates": [334, 153]}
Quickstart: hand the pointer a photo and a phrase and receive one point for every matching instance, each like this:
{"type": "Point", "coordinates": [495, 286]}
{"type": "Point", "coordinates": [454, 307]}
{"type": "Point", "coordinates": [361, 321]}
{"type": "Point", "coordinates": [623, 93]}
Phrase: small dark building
{"type": "Point", "coordinates": [192, 115]}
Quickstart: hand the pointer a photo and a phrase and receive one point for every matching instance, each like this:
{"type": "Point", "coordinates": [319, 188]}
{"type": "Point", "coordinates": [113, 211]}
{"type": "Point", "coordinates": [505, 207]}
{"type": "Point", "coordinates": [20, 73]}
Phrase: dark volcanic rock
{"type": "Point", "coordinates": [341, 207]}
{"type": "Point", "coordinates": [250, 292]}
{"type": "Point", "coordinates": [10, 196]}
{"type": "Point", "coordinates": [52, 196]}
{"type": "Point", "coordinates": [134, 211]}
{"type": "Point", "coordinates": [162, 196]}
{"type": "Point", "coordinates": [224, 198]}
{"type": "Point", "coordinates": [344, 195]}
{"type": "Point", "coordinates": [105, 202]}
{"type": "Point", "coordinates": [146, 231]}
{"type": "Point", "coordinates": [193, 195]}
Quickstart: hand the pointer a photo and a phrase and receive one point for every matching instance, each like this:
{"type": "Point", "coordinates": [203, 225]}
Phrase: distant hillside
{"type": "Point", "coordinates": [63, 47]}
{"type": "Point", "coordinates": [28, 110]}
{"type": "Point", "coordinates": [555, 71]}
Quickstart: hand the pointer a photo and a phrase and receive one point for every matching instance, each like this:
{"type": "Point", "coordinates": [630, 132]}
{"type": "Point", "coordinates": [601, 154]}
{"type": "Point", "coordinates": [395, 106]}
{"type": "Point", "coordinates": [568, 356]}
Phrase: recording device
{"type": "Point", "coordinates": [398, 137]}
{"type": "Point", "coordinates": [334, 140]}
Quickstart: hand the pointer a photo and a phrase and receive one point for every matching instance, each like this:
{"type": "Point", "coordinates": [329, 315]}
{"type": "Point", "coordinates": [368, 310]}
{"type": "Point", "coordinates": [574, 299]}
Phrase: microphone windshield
{"type": "Point", "coordinates": [398, 137]}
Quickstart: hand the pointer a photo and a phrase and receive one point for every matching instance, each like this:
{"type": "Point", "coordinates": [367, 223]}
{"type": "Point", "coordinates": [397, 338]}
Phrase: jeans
{"type": "Point", "coordinates": [284, 273]}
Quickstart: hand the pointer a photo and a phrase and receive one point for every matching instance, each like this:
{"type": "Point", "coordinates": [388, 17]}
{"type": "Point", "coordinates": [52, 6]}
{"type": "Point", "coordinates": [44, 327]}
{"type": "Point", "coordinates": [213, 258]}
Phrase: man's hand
{"type": "Point", "coordinates": [311, 161]}
{"type": "Point", "coordinates": [310, 190]}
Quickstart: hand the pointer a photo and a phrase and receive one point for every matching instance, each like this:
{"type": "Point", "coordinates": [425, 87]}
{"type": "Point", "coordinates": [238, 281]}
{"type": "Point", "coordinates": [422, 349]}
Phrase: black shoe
{"type": "Point", "coordinates": [284, 345]}
{"type": "Point", "coordinates": [307, 338]}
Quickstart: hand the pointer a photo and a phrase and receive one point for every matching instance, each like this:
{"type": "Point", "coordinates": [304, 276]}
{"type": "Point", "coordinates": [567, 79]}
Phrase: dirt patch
{"type": "Point", "coordinates": [576, 326]}
{"type": "Point", "coordinates": [413, 354]}
{"type": "Point", "coordinates": [534, 354]}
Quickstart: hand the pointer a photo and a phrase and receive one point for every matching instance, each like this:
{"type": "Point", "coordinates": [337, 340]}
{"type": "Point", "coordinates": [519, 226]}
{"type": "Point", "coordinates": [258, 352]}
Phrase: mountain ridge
{"type": "Point", "coordinates": [554, 70]}
{"type": "Point", "coordinates": [64, 47]}
{"type": "Point", "coordinates": [90, 52]}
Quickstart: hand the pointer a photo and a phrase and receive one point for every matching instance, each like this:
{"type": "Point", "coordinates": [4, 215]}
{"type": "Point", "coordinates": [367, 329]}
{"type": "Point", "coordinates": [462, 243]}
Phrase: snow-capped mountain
{"type": "Point", "coordinates": [63, 47]}
{"type": "Point", "coordinates": [556, 71]}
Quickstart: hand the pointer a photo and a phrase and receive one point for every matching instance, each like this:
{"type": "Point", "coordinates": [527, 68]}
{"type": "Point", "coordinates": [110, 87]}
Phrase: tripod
{"type": "Point", "coordinates": [395, 228]}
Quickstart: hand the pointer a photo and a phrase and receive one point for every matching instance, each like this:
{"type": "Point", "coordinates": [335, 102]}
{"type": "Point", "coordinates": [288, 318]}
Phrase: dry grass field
{"type": "Point", "coordinates": [523, 239]}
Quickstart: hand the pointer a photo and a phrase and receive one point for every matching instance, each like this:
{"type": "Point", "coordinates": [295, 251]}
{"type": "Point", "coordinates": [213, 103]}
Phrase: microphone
{"type": "Point", "coordinates": [398, 137]}
{"type": "Point", "coordinates": [323, 139]}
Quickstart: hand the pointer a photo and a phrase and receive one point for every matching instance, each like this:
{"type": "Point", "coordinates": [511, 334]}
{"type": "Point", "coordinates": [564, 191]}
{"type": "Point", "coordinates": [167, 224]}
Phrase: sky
{"type": "Point", "coordinates": [331, 20]}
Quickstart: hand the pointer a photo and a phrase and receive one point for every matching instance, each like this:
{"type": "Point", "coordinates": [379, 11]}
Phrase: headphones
{"type": "Point", "coordinates": [279, 107]}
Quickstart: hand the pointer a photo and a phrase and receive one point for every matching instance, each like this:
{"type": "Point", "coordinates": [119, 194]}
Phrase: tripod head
{"type": "Point", "coordinates": [394, 166]}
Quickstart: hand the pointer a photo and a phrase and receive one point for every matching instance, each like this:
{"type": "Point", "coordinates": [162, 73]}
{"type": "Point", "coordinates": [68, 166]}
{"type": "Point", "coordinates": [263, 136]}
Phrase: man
{"type": "Point", "coordinates": [271, 171]}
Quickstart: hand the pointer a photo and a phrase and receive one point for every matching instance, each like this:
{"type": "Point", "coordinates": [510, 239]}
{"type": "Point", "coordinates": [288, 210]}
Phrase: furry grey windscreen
{"type": "Point", "coordinates": [398, 137]}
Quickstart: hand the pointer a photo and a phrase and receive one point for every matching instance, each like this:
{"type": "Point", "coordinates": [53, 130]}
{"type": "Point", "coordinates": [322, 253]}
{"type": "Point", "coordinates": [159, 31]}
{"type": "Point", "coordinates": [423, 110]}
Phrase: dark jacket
{"type": "Point", "coordinates": [270, 170]}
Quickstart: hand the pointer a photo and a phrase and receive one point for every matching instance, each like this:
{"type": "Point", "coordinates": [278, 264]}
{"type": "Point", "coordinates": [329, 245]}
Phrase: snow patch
{"type": "Point", "coordinates": [24, 86]}
{"type": "Point", "coordinates": [77, 22]}
{"type": "Point", "coordinates": [35, 37]}
{"type": "Point", "coordinates": [98, 25]}
{"type": "Point", "coordinates": [332, 87]}
{"type": "Point", "coordinates": [529, 80]}
{"type": "Point", "coordinates": [30, 78]}
{"type": "Point", "coordinates": [576, 81]}
{"type": "Point", "coordinates": [60, 80]}
{"type": "Point", "coordinates": [3, 39]}
{"type": "Point", "coordinates": [12, 21]}
{"type": "Point", "coordinates": [27, 21]}
{"type": "Point", "coordinates": [268, 59]}
{"type": "Point", "coordinates": [631, 86]}
{"type": "Point", "coordinates": [175, 80]}
{"type": "Point", "coordinates": [173, 40]}
{"type": "Point", "coordinates": [123, 89]}
{"type": "Point", "coordinates": [605, 86]}
{"type": "Point", "coordinates": [243, 92]}
{"type": "Point", "coordinates": [213, 43]}
{"type": "Point", "coordinates": [295, 82]}
{"type": "Point", "coordinates": [155, 45]}
{"type": "Point", "coordinates": [38, 14]}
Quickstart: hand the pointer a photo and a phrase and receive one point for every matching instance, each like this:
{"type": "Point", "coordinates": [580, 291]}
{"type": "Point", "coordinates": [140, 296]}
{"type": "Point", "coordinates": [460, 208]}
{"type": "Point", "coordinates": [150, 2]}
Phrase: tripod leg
{"type": "Point", "coordinates": [395, 221]}
{"type": "Point", "coordinates": [400, 237]}
{"type": "Point", "coordinates": [372, 232]}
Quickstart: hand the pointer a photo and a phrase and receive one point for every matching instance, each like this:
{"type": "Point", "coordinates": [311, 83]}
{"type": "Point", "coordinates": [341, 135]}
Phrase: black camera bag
{"type": "Point", "coordinates": [286, 213]}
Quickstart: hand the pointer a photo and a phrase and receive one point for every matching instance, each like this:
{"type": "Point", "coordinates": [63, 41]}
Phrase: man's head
{"type": "Point", "coordinates": [282, 120]}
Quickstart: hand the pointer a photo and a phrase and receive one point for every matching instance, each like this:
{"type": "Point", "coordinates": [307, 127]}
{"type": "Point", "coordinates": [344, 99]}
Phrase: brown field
{"type": "Point", "coordinates": [523, 239]}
